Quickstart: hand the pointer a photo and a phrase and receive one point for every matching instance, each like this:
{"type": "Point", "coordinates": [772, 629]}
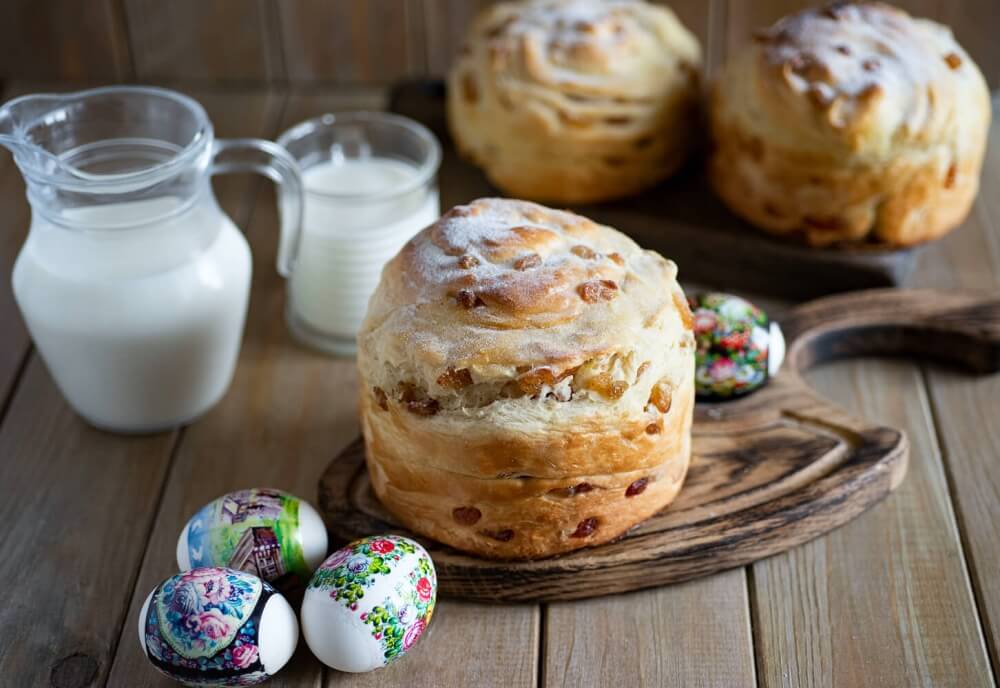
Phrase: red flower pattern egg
{"type": "Point", "coordinates": [738, 347]}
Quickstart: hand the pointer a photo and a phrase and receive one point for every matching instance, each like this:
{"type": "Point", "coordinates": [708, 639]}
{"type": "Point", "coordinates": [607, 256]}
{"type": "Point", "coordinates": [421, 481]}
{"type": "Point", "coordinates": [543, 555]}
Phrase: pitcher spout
{"type": "Point", "coordinates": [17, 117]}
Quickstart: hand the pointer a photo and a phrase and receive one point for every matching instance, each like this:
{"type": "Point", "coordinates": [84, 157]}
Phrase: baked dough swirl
{"type": "Point", "coordinates": [576, 101]}
{"type": "Point", "coordinates": [851, 123]}
{"type": "Point", "coordinates": [527, 381]}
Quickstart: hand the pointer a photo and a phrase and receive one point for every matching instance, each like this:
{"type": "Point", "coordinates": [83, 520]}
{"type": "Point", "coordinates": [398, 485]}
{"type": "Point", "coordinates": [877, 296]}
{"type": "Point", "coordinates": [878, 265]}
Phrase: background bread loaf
{"type": "Point", "coordinates": [575, 101]}
{"type": "Point", "coordinates": [850, 123]}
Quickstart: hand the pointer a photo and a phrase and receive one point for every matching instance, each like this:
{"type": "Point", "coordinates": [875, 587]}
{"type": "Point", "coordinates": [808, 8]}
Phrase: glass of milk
{"type": "Point", "coordinates": [370, 184]}
{"type": "Point", "coordinates": [132, 281]}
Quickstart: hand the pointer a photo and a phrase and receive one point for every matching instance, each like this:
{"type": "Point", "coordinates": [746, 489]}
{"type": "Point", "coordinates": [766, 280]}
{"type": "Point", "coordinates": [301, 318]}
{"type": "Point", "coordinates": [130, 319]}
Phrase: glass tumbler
{"type": "Point", "coordinates": [370, 183]}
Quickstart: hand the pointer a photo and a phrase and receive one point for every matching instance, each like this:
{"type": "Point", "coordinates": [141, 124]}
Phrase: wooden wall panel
{"type": "Point", "coordinates": [205, 40]}
{"type": "Point", "coordinates": [445, 23]}
{"type": "Point", "coordinates": [63, 39]}
{"type": "Point", "coordinates": [353, 41]}
{"type": "Point", "coordinates": [368, 42]}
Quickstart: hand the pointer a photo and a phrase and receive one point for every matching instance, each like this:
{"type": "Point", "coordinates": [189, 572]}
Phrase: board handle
{"type": "Point", "coordinates": [958, 327]}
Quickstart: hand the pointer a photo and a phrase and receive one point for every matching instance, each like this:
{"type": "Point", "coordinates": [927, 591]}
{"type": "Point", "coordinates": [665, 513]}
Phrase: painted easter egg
{"type": "Point", "coordinates": [272, 534]}
{"type": "Point", "coordinates": [738, 348]}
{"type": "Point", "coordinates": [369, 602]}
{"type": "Point", "coordinates": [217, 627]}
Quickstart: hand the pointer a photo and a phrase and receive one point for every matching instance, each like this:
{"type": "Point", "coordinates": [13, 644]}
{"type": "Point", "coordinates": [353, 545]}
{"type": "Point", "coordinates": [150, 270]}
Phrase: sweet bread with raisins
{"type": "Point", "coordinates": [854, 123]}
{"type": "Point", "coordinates": [527, 381]}
{"type": "Point", "coordinates": [576, 101]}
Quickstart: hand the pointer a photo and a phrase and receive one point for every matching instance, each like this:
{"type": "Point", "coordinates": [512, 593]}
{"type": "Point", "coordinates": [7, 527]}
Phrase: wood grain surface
{"type": "Point", "coordinates": [903, 596]}
{"type": "Point", "coordinates": [64, 40]}
{"type": "Point", "coordinates": [964, 409]}
{"type": "Point", "coordinates": [371, 42]}
{"type": "Point", "coordinates": [344, 41]}
{"type": "Point", "coordinates": [204, 40]}
{"type": "Point", "coordinates": [646, 638]}
{"type": "Point", "coordinates": [884, 601]}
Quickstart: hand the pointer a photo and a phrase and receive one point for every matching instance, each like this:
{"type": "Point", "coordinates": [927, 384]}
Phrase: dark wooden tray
{"type": "Point", "coordinates": [684, 221]}
{"type": "Point", "coordinates": [768, 472]}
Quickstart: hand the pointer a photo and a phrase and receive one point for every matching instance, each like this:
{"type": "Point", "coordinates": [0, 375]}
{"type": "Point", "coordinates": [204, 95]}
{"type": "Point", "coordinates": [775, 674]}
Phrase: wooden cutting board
{"type": "Point", "coordinates": [683, 220]}
{"type": "Point", "coordinates": [768, 472]}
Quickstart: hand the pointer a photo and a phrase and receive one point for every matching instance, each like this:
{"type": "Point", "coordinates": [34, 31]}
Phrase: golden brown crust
{"type": "Point", "coordinates": [523, 517]}
{"type": "Point", "coordinates": [850, 124]}
{"type": "Point", "coordinates": [576, 101]}
{"type": "Point", "coordinates": [568, 361]}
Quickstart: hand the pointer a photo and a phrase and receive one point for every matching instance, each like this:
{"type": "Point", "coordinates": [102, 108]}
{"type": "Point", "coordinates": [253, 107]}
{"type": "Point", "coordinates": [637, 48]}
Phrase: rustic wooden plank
{"type": "Point", "coordinates": [351, 41]}
{"type": "Point", "coordinates": [77, 506]}
{"type": "Point", "coordinates": [692, 634]}
{"type": "Point", "coordinates": [445, 24]}
{"type": "Point", "coordinates": [64, 40]}
{"type": "Point", "coordinates": [965, 407]}
{"type": "Point", "coordinates": [204, 40]}
{"type": "Point", "coordinates": [884, 601]}
{"type": "Point", "coordinates": [466, 645]}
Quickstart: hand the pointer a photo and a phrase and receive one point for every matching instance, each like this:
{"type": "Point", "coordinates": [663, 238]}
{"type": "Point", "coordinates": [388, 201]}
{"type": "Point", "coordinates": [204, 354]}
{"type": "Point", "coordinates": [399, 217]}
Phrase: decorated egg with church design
{"type": "Point", "coordinates": [217, 627]}
{"type": "Point", "coordinates": [269, 533]}
{"type": "Point", "coordinates": [369, 603]}
{"type": "Point", "coordinates": [738, 347]}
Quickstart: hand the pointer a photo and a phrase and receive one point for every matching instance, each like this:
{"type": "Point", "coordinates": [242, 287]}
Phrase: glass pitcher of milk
{"type": "Point", "coordinates": [132, 282]}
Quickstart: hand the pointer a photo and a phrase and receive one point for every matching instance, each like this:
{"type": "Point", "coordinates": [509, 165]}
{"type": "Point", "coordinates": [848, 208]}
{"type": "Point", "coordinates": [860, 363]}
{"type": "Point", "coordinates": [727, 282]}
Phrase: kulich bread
{"type": "Point", "coordinates": [849, 124]}
{"type": "Point", "coordinates": [527, 381]}
{"type": "Point", "coordinates": [576, 101]}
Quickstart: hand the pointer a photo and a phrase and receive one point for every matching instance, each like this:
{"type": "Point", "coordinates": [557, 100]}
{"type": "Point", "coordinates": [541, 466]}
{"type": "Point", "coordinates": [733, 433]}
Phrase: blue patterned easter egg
{"type": "Point", "coordinates": [217, 627]}
{"type": "Point", "coordinates": [369, 602]}
{"type": "Point", "coordinates": [738, 348]}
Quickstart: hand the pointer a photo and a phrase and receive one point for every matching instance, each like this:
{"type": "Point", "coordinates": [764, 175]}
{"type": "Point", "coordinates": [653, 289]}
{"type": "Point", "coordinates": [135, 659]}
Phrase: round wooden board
{"type": "Point", "coordinates": [768, 472]}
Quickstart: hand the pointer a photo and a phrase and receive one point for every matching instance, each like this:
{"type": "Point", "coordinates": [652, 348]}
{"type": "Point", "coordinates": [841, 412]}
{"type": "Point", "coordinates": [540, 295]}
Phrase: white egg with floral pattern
{"type": "Point", "coordinates": [213, 626]}
{"type": "Point", "coordinates": [369, 603]}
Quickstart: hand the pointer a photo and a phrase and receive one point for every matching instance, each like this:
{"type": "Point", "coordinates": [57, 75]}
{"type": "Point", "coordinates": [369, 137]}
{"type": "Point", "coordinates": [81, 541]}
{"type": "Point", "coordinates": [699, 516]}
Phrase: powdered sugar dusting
{"type": "Point", "coordinates": [857, 59]}
{"type": "Point", "coordinates": [498, 235]}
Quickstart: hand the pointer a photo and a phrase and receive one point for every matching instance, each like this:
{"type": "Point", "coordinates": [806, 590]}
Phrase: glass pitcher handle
{"type": "Point", "coordinates": [274, 162]}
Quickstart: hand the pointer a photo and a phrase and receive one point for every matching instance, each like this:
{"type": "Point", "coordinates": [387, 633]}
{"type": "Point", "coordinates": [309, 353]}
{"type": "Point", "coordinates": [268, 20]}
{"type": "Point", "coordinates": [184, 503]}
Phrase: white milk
{"type": "Point", "coordinates": [140, 324]}
{"type": "Point", "coordinates": [346, 242]}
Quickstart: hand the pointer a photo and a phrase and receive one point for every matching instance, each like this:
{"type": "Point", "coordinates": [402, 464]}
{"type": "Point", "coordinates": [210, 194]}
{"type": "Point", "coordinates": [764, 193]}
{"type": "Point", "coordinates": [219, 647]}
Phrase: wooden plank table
{"type": "Point", "coordinates": [903, 596]}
